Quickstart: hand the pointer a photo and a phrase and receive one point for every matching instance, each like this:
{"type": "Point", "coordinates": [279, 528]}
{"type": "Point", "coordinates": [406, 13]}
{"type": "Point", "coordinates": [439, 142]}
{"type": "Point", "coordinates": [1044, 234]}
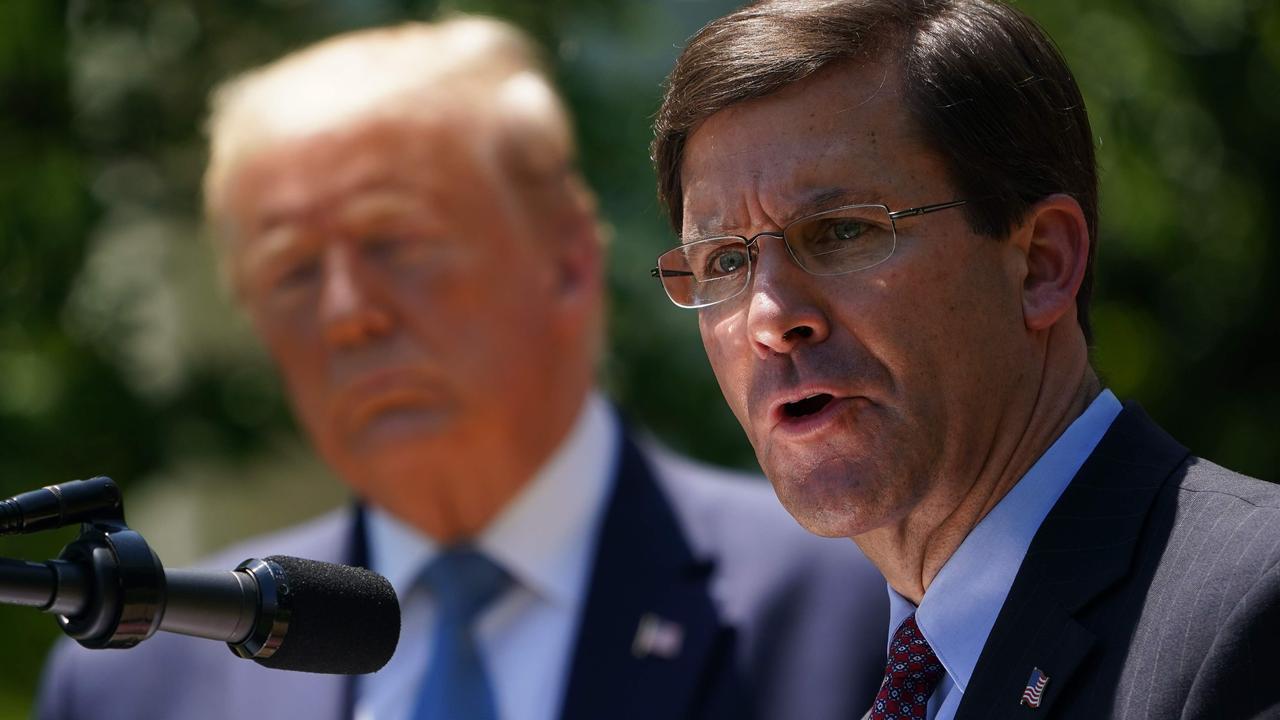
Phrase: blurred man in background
{"type": "Point", "coordinates": [889, 218]}
{"type": "Point", "coordinates": [399, 212]}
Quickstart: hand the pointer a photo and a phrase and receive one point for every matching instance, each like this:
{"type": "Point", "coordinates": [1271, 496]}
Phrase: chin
{"type": "Point", "coordinates": [409, 430]}
{"type": "Point", "coordinates": [824, 520]}
{"type": "Point", "coordinates": [388, 471]}
{"type": "Point", "coordinates": [830, 499]}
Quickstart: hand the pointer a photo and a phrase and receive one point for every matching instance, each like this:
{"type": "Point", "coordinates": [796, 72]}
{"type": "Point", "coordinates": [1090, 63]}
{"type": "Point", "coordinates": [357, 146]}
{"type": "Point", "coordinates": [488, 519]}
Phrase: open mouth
{"type": "Point", "coordinates": [807, 406]}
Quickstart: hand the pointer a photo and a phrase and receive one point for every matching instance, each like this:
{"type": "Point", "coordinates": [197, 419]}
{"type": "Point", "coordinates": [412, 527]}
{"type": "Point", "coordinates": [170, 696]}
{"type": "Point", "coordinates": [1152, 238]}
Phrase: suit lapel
{"type": "Point", "coordinates": [645, 574]}
{"type": "Point", "coordinates": [357, 554]}
{"type": "Point", "coordinates": [1085, 545]}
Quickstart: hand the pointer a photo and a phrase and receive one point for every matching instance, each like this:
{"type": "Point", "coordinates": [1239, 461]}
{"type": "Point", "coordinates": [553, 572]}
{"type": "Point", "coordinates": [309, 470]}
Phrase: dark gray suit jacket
{"type": "Point", "coordinates": [1152, 590]}
{"type": "Point", "coordinates": [777, 623]}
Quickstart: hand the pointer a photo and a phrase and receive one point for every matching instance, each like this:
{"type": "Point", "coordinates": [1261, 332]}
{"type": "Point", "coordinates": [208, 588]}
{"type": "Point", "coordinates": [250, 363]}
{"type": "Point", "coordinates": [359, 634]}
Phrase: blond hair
{"type": "Point", "coordinates": [479, 66]}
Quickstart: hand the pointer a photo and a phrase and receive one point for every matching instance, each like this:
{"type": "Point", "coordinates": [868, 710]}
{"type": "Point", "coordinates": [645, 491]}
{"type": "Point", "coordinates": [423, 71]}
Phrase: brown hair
{"type": "Point", "coordinates": [987, 87]}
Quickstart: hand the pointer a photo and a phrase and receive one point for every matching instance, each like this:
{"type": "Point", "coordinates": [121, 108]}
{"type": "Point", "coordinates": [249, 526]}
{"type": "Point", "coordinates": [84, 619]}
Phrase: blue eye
{"type": "Point", "coordinates": [830, 236]}
{"type": "Point", "coordinates": [715, 259]}
{"type": "Point", "coordinates": [846, 229]}
{"type": "Point", "coordinates": [729, 261]}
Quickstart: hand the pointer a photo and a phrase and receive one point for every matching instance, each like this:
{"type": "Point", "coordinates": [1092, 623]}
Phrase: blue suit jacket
{"type": "Point", "coordinates": [777, 623]}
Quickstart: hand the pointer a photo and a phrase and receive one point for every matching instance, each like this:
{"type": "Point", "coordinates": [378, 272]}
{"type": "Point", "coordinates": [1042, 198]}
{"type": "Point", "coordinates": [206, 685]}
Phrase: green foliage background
{"type": "Point", "coordinates": [119, 355]}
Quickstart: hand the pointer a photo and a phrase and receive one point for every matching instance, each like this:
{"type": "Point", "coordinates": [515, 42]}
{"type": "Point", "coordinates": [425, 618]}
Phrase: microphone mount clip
{"type": "Point", "coordinates": [109, 591]}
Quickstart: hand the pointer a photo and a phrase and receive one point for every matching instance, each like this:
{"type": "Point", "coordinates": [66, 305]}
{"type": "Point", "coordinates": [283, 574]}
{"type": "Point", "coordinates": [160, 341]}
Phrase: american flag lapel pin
{"type": "Point", "coordinates": [657, 637]}
{"type": "Point", "coordinates": [1034, 692]}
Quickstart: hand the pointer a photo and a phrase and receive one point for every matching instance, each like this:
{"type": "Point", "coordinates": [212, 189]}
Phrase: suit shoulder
{"type": "Point", "coordinates": [156, 679]}
{"type": "Point", "coordinates": [694, 485]}
{"type": "Point", "coordinates": [1217, 590]}
{"type": "Point", "coordinates": [715, 502]}
{"type": "Point", "coordinates": [1225, 523]}
{"type": "Point", "coordinates": [1233, 513]}
{"type": "Point", "coordinates": [735, 518]}
{"type": "Point", "coordinates": [1202, 476]}
{"type": "Point", "coordinates": [787, 592]}
{"type": "Point", "coordinates": [325, 538]}
{"type": "Point", "coordinates": [1212, 542]}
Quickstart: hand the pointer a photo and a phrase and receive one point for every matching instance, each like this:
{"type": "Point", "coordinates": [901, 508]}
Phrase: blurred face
{"type": "Point", "coordinates": [871, 395]}
{"type": "Point", "coordinates": [423, 323]}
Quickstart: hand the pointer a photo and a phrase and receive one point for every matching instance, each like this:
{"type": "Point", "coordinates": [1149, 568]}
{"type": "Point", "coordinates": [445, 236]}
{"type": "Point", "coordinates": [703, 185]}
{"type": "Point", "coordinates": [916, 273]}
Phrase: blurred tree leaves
{"type": "Point", "coordinates": [1184, 97]}
{"type": "Point", "coordinates": [120, 355]}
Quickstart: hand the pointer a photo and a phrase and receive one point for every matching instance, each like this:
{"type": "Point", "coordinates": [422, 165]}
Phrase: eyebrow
{"type": "Point", "coordinates": [265, 247]}
{"type": "Point", "coordinates": [381, 203]}
{"type": "Point", "coordinates": [818, 201]}
{"type": "Point", "coordinates": [834, 197]}
{"type": "Point", "coordinates": [292, 213]}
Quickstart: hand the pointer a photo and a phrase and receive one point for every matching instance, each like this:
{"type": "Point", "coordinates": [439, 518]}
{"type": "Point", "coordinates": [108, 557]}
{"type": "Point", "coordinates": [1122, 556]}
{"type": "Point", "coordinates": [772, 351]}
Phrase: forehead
{"type": "Point", "coordinates": [292, 180]}
{"type": "Point", "coordinates": [841, 136]}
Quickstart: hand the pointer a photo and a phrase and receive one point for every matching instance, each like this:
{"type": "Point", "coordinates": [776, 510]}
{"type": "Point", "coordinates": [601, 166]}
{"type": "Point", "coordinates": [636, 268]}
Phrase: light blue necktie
{"type": "Point", "coordinates": [457, 687]}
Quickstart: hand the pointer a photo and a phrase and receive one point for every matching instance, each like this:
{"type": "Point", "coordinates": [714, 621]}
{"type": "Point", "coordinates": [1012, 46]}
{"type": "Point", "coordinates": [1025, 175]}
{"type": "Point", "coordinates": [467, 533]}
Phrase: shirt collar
{"type": "Point", "coordinates": [961, 605]}
{"type": "Point", "coordinates": [544, 537]}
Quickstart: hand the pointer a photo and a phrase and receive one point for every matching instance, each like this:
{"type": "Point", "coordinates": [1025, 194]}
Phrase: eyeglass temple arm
{"type": "Point", "coordinates": [925, 209]}
{"type": "Point", "coordinates": [660, 273]}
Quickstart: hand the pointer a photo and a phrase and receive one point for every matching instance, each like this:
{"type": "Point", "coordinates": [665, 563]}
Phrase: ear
{"type": "Point", "coordinates": [581, 256]}
{"type": "Point", "coordinates": [1056, 241]}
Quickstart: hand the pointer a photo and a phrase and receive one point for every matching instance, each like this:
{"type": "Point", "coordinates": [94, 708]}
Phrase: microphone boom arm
{"type": "Point", "coordinates": [79, 501]}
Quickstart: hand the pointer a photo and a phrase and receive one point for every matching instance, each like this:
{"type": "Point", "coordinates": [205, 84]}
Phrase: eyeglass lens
{"type": "Point", "coordinates": [844, 240]}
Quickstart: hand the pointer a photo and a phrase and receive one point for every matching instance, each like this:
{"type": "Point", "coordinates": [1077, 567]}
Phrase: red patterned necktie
{"type": "Point", "coordinates": [910, 677]}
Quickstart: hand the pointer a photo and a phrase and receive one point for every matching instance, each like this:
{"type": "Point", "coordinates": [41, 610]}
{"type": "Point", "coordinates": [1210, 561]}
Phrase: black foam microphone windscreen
{"type": "Point", "coordinates": [345, 619]}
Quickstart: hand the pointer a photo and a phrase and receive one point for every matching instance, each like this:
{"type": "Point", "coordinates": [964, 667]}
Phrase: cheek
{"type": "Point", "coordinates": [301, 358]}
{"type": "Point", "coordinates": [294, 345]}
{"type": "Point", "coordinates": [451, 309]}
{"type": "Point", "coordinates": [491, 333]}
{"type": "Point", "coordinates": [491, 288]}
{"type": "Point", "coordinates": [308, 394]}
{"type": "Point", "coordinates": [304, 376]}
{"type": "Point", "coordinates": [717, 339]}
{"type": "Point", "coordinates": [952, 323]}
{"type": "Point", "coordinates": [728, 350]}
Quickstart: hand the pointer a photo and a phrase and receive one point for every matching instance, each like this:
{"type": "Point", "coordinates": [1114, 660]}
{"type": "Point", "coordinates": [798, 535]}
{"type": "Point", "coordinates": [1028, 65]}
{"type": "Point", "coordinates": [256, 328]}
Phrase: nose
{"type": "Point", "coordinates": [350, 309]}
{"type": "Point", "coordinates": [784, 311]}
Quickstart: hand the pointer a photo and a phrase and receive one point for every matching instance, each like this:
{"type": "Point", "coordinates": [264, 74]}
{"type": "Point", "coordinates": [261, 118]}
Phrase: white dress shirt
{"type": "Point", "coordinates": [960, 607]}
{"type": "Point", "coordinates": [545, 539]}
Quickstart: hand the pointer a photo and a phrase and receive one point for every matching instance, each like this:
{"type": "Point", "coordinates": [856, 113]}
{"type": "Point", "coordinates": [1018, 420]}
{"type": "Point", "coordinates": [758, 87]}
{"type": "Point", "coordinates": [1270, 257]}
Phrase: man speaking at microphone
{"type": "Point", "coordinates": [888, 212]}
{"type": "Point", "coordinates": [399, 213]}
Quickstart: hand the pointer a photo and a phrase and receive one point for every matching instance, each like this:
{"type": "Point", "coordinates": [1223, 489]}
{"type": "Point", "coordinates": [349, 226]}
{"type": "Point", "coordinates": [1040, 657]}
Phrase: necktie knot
{"type": "Point", "coordinates": [464, 582]}
{"type": "Point", "coordinates": [457, 687]}
{"type": "Point", "coordinates": [910, 677]}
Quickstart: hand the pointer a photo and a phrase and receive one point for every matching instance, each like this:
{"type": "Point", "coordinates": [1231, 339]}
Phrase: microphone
{"type": "Point", "coordinates": [109, 590]}
{"type": "Point", "coordinates": [289, 613]}
{"type": "Point", "coordinates": [282, 612]}
{"type": "Point", "coordinates": [58, 505]}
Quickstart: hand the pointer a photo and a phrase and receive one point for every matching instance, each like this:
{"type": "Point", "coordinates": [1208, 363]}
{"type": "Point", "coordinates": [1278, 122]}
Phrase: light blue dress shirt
{"type": "Point", "coordinates": [960, 607]}
{"type": "Point", "coordinates": [545, 538]}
